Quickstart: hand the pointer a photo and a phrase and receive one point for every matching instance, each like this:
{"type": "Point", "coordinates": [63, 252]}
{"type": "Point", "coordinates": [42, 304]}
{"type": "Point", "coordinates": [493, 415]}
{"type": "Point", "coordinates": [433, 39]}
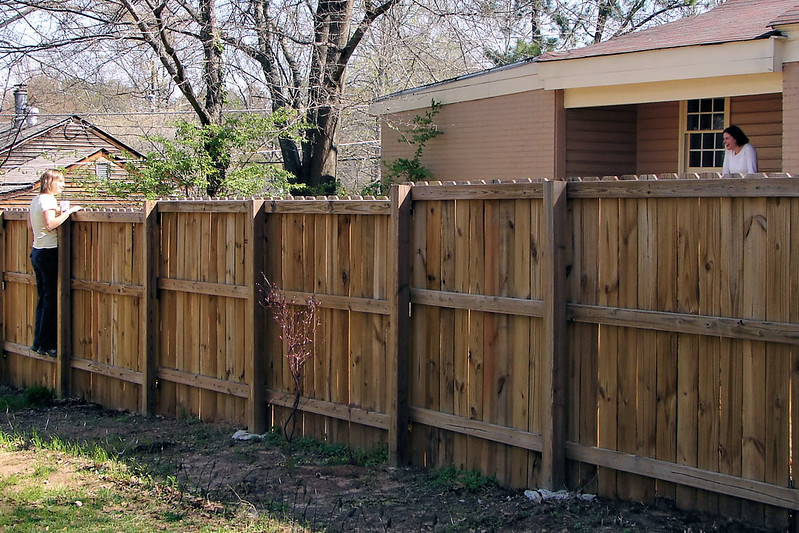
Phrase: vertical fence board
{"type": "Point", "coordinates": [731, 371]}
{"type": "Point", "coordinates": [628, 485]}
{"type": "Point", "coordinates": [207, 318]}
{"type": "Point", "coordinates": [583, 341]}
{"type": "Point", "coordinates": [778, 356]}
{"type": "Point", "coordinates": [646, 361]}
{"type": "Point", "coordinates": [340, 353]}
{"type": "Point", "coordinates": [477, 269]}
{"type": "Point", "coordinates": [754, 370]}
{"type": "Point", "coordinates": [608, 272]}
{"type": "Point", "coordinates": [168, 301]}
{"type": "Point", "coordinates": [709, 304]}
{"type": "Point", "coordinates": [361, 245]}
{"type": "Point", "coordinates": [461, 347]}
{"type": "Point", "coordinates": [666, 391]}
{"type": "Point", "coordinates": [446, 372]}
{"type": "Point", "coordinates": [520, 354]}
{"type": "Point", "coordinates": [687, 361]}
{"type": "Point", "coordinates": [492, 324]}
{"type": "Point", "coordinates": [383, 326]}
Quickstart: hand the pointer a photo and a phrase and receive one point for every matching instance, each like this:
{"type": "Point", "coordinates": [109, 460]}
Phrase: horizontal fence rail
{"type": "Point", "coordinates": [632, 336]}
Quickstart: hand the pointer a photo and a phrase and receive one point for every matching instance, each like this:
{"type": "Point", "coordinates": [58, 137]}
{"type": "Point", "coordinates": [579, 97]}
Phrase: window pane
{"type": "Point", "coordinates": [705, 147]}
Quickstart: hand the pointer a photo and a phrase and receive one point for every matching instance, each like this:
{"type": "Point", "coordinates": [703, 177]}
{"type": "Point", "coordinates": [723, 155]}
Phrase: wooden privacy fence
{"type": "Point", "coordinates": [636, 338]}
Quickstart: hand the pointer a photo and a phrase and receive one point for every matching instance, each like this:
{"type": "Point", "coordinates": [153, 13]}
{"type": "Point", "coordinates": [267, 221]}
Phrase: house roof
{"type": "Point", "coordinates": [789, 17]}
{"type": "Point", "coordinates": [732, 21]}
{"type": "Point", "coordinates": [14, 136]}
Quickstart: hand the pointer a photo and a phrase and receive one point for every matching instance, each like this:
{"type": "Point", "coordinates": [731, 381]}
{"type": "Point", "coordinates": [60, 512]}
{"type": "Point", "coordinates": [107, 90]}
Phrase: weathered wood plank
{"type": "Point", "coordinates": [704, 188]}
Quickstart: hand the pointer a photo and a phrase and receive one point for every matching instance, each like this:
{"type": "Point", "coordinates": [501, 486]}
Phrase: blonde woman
{"type": "Point", "coordinates": [43, 219]}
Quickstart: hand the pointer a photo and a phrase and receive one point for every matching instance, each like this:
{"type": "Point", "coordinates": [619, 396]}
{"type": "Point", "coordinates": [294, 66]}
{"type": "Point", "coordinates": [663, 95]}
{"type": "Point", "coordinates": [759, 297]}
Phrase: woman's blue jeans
{"type": "Point", "coordinates": [45, 266]}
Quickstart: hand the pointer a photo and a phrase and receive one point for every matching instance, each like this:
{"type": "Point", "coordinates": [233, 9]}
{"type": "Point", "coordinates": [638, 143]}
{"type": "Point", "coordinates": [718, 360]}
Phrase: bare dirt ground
{"type": "Point", "coordinates": [310, 485]}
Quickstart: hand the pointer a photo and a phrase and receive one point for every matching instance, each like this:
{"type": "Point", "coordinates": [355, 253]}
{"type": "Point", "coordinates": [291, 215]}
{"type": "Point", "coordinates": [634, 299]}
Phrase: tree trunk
{"type": "Point", "coordinates": [603, 12]}
{"type": "Point", "coordinates": [214, 93]}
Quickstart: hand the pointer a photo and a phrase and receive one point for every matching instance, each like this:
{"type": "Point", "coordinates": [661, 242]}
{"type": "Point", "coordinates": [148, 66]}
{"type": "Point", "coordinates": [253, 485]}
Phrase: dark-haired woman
{"type": "Point", "coordinates": [740, 157]}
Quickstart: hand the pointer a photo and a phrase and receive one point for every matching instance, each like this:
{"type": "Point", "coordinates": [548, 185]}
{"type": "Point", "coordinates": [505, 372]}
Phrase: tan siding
{"type": "Point", "coordinates": [761, 119]}
{"type": "Point", "coordinates": [601, 141]}
{"type": "Point", "coordinates": [790, 118]}
{"type": "Point", "coordinates": [507, 137]}
{"type": "Point", "coordinates": [658, 138]}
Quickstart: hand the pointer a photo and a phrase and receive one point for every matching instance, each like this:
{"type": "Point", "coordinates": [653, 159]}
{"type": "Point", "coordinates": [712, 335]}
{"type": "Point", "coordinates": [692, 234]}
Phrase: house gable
{"type": "Point", "coordinates": [69, 143]}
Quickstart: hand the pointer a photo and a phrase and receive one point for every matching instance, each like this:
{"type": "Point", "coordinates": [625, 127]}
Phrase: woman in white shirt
{"type": "Point", "coordinates": [740, 157]}
{"type": "Point", "coordinates": [43, 219]}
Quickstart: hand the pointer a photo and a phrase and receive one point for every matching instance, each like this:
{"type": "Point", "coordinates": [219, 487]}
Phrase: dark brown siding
{"type": "Point", "coordinates": [601, 141]}
{"type": "Point", "coordinates": [658, 138]}
{"type": "Point", "coordinates": [761, 119]}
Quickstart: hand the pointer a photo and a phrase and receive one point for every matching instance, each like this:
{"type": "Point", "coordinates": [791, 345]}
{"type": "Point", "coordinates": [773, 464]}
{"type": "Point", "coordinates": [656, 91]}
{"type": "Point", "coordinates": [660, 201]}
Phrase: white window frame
{"type": "Point", "coordinates": [684, 165]}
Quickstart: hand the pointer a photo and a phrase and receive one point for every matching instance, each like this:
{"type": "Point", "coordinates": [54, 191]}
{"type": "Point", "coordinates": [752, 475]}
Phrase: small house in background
{"type": "Point", "coordinates": [88, 156]}
{"type": "Point", "coordinates": [650, 102]}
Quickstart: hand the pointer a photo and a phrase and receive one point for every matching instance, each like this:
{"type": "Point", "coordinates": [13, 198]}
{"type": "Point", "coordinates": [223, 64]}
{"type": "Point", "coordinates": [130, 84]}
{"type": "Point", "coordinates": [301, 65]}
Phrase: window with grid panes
{"type": "Point", "coordinates": [704, 123]}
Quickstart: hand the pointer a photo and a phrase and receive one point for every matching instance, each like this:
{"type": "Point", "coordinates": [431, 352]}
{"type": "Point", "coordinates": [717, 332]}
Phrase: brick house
{"type": "Point", "coordinates": [650, 102]}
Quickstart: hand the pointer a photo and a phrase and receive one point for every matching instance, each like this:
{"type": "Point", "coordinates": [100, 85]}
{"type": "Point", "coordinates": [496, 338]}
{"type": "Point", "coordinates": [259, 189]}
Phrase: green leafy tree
{"type": "Point", "coordinates": [186, 164]}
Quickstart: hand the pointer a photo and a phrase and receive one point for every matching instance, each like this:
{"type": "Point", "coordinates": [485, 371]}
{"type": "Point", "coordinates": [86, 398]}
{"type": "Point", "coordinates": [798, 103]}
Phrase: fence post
{"type": "Point", "coordinates": [254, 343]}
{"type": "Point", "coordinates": [152, 246]}
{"type": "Point", "coordinates": [398, 272]}
{"type": "Point", "coordinates": [64, 309]}
{"type": "Point", "coordinates": [553, 460]}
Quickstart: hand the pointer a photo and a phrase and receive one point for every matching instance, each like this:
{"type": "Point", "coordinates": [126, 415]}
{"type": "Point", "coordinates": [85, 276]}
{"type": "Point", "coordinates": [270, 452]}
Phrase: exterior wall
{"type": "Point", "coordinates": [601, 141]}
{"type": "Point", "coordinates": [498, 138]}
{"type": "Point", "coordinates": [761, 119]}
{"type": "Point", "coordinates": [507, 137]}
{"type": "Point", "coordinates": [790, 118]}
{"type": "Point", "coordinates": [658, 138]}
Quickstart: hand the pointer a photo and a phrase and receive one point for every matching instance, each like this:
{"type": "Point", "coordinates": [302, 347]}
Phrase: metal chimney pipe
{"type": "Point", "coordinates": [20, 104]}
